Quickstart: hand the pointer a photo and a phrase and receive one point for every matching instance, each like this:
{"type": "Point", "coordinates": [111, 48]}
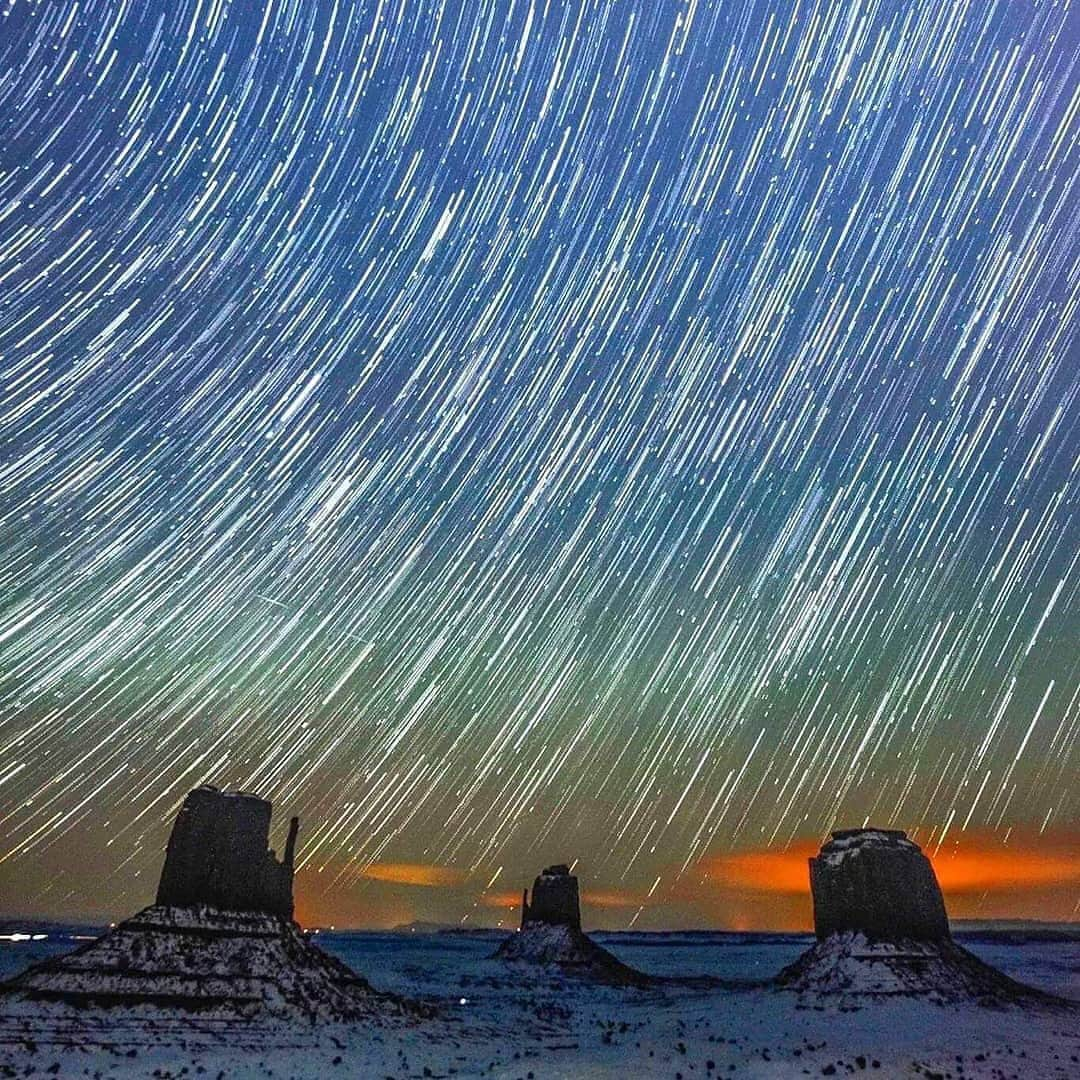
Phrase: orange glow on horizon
{"type": "Point", "coordinates": [973, 869]}
{"type": "Point", "coordinates": [982, 876]}
{"type": "Point", "coordinates": [610, 898]}
{"type": "Point", "coordinates": [762, 871]}
{"type": "Point", "coordinates": [504, 900]}
{"type": "Point", "coordinates": [973, 863]}
{"type": "Point", "coordinates": [414, 874]}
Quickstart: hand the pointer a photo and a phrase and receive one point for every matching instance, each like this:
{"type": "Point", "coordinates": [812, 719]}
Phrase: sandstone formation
{"type": "Point", "coordinates": [555, 899]}
{"type": "Point", "coordinates": [218, 856]}
{"type": "Point", "coordinates": [882, 930]}
{"type": "Point", "coordinates": [219, 943]}
{"type": "Point", "coordinates": [551, 934]}
{"type": "Point", "coordinates": [203, 960]}
{"type": "Point", "coordinates": [879, 883]}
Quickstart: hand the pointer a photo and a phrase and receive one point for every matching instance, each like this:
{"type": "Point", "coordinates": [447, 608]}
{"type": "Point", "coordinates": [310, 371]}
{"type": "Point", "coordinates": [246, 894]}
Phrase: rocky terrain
{"type": "Point", "coordinates": [194, 989]}
{"type": "Point", "coordinates": [188, 963]}
{"type": "Point", "coordinates": [209, 962]}
{"type": "Point", "coordinates": [504, 1021]}
{"type": "Point", "coordinates": [882, 930]}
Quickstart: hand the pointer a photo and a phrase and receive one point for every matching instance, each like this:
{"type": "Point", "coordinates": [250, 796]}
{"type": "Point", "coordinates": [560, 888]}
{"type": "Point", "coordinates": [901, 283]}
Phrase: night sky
{"type": "Point", "coordinates": [630, 431]}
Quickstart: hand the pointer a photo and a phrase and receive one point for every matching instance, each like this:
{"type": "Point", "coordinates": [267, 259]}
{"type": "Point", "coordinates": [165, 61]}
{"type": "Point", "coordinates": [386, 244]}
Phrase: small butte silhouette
{"type": "Point", "coordinates": [551, 934]}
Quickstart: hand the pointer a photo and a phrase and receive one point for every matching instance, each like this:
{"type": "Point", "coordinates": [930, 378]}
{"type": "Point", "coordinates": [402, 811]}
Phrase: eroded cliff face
{"type": "Point", "coordinates": [555, 899]}
{"type": "Point", "coordinates": [218, 855]}
{"type": "Point", "coordinates": [878, 883]}
{"type": "Point", "coordinates": [219, 942]}
{"type": "Point", "coordinates": [883, 932]}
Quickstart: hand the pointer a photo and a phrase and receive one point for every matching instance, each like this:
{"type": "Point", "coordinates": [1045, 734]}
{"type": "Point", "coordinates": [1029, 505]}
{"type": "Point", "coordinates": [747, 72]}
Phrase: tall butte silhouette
{"type": "Point", "coordinates": [219, 941]}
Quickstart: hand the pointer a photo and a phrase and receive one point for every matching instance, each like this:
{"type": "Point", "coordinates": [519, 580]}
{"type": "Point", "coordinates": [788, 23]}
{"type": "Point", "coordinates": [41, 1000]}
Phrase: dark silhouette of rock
{"type": "Point", "coordinates": [220, 941]}
{"type": "Point", "coordinates": [882, 930]}
{"type": "Point", "coordinates": [551, 934]}
{"type": "Point", "coordinates": [879, 883]}
{"type": "Point", "coordinates": [218, 855]}
{"type": "Point", "coordinates": [555, 899]}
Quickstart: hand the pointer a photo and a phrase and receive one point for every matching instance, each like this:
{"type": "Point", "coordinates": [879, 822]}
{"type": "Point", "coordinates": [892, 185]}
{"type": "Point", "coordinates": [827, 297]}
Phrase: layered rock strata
{"type": "Point", "coordinates": [219, 943]}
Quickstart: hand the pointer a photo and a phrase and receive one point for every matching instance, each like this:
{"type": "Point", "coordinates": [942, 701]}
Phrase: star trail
{"type": "Point", "coordinates": [624, 430]}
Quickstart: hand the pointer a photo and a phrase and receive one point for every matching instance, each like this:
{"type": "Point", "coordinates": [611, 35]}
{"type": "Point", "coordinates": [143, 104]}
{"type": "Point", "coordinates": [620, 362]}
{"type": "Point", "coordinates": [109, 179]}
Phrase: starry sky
{"type": "Point", "coordinates": [639, 432]}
